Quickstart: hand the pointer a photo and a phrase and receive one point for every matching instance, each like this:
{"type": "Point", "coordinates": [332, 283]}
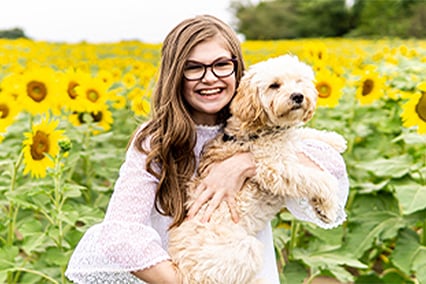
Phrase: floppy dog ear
{"type": "Point", "coordinates": [246, 104]}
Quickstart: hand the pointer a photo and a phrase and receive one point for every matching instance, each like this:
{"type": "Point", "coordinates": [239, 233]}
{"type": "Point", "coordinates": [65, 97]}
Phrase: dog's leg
{"type": "Point", "coordinates": [298, 181]}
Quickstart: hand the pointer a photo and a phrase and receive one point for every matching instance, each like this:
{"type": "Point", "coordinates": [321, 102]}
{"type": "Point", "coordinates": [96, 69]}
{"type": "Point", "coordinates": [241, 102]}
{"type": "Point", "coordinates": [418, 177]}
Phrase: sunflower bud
{"type": "Point", "coordinates": [65, 145]}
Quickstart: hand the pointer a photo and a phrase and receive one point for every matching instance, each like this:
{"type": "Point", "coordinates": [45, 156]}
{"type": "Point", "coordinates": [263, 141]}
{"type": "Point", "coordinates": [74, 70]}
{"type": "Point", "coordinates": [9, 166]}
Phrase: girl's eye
{"type": "Point", "coordinates": [194, 67]}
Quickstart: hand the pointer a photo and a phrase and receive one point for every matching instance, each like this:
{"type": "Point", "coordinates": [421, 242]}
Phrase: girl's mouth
{"type": "Point", "coordinates": [210, 92]}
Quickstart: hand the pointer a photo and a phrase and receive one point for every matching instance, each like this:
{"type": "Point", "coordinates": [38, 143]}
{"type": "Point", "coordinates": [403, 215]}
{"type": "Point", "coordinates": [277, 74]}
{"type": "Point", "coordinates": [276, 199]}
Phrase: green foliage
{"type": "Point", "coordinates": [285, 19]}
{"type": "Point", "coordinates": [279, 19]}
{"type": "Point", "coordinates": [43, 220]}
{"type": "Point", "coordinates": [12, 33]}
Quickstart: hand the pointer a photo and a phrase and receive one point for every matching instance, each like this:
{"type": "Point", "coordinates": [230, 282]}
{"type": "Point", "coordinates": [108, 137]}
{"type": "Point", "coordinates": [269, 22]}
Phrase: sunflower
{"type": "Point", "coordinates": [8, 112]}
{"type": "Point", "coordinates": [36, 91]}
{"type": "Point", "coordinates": [100, 120]}
{"type": "Point", "coordinates": [40, 145]}
{"type": "Point", "coordinates": [94, 93]}
{"type": "Point", "coordinates": [414, 110]}
{"type": "Point", "coordinates": [329, 87]}
{"type": "Point", "coordinates": [370, 86]}
{"type": "Point", "coordinates": [316, 53]}
{"type": "Point", "coordinates": [141, 106]}
{"type": "Point", "coordinates": [129, 80]}
{"type": "Point", "coordinates": [69, 81]}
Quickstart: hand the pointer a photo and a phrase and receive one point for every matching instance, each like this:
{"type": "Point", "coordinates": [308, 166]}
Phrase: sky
{"type": "Point", "coordinates": [98, 21]}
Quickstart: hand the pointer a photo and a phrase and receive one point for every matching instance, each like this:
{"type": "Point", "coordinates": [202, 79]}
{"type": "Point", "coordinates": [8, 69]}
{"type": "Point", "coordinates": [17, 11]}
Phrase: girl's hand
{"type": "Point", "coordinates": [223, 181]}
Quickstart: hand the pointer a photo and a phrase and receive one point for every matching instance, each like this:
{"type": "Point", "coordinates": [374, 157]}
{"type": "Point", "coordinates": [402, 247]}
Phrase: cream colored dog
{"type": "Point", "coordinates": [274, 98]}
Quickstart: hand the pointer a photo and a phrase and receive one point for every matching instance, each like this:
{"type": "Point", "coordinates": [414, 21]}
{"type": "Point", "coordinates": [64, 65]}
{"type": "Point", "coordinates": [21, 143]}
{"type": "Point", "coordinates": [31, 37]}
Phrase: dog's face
{"type": "Point", "coordinates": [277, 92]}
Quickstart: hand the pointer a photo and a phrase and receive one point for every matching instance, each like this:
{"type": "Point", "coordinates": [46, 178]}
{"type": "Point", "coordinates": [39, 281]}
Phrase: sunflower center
{"type": "Point", "coordinates": [95, 116]}
{"type": "Point", "coordinates": [367, 87]}
{"type": "Point", "coordinates": [36, 90]}
{"type": "Point", "coordinates": [421, 107]}
{"type": "Point", "coordinates": [324, 90]}
{"type": "Point", "coordinates": [4, 110]}
{"type": "Point", "coordinates": [71, 90]}
{"type": "Point", "coordinates": [92, 95]}
{"type": "Point", "coordinates": [40, 145]}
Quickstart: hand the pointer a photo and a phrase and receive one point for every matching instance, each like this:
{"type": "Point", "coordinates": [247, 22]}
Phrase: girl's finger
{"type": "Point", "coordinates": [233, 209]}
{"type": "Point", "coordinates": [203, 197]}
{"type": "Point", "coordinates": [213, 204]}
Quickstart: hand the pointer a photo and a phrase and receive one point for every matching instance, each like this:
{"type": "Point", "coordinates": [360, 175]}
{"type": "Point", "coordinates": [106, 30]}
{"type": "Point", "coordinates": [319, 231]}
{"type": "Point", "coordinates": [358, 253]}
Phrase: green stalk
{"type": "Point", "coordinates": [423, 240]}
{"type": "Point", "coordinates": [87, 167]}
{"type": "Point", "coordinates": [13, 211]}
{"type": "Point", "coordinates": [293, 238]}
{"type": "Point", "coordinates": [45, 276]}
{"type": "Point", "coordinates": [58, 202]}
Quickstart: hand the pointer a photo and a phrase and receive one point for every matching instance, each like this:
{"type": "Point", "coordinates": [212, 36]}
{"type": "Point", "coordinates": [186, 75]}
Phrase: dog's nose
{"type": "Point", "coordinates": [297, 98]}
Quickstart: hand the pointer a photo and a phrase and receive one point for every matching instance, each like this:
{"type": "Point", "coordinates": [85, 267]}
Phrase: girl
{"type": "Point", "coordinates": [200, 69]}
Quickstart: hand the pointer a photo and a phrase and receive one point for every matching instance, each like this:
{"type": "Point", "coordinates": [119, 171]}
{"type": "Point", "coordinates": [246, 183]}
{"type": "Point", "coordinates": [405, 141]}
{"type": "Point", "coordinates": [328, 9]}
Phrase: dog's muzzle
{"type": "Point", "coordinates": [297, 98]}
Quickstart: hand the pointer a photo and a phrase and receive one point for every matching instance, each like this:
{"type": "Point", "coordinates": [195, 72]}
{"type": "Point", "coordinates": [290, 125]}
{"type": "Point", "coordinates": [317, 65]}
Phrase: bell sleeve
{"type": "Point", "coordinates": [328, 159]}
{"type": "Point", "coordinates": [126, 240]}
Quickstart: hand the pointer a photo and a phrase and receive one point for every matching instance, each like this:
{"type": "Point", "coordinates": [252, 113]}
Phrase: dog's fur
{"type": "Point", "coordinates": [273, 99]}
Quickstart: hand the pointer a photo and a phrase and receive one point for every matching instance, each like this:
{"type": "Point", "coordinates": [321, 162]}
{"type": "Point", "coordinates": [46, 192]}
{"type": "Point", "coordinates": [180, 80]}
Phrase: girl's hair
{"type": "Point", "coordinates": [171, 132]}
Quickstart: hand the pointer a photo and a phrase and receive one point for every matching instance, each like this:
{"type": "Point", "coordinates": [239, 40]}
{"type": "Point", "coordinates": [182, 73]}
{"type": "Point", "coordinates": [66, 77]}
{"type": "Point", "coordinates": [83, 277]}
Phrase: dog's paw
{"type": "Point", "coordinates": [325, 209]}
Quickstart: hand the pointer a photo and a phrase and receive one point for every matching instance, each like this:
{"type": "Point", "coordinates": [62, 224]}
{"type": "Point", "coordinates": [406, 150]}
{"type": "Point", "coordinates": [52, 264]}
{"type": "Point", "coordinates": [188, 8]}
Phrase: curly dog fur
{"type": "Point", "coordinates": [275, 97]}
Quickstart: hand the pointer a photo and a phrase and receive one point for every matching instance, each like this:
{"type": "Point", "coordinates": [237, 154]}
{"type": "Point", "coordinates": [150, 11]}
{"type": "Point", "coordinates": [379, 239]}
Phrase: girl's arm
{"type": "Point", "coordinates": [163, 272]}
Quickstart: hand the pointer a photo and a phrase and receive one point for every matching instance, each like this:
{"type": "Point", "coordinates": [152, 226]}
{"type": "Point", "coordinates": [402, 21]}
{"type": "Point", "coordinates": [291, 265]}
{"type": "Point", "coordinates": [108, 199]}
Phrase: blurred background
{"type": "Point", "coordinates": [110, 21]}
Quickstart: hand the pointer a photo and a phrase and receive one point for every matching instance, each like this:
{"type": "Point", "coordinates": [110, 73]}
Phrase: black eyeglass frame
{"type": "Point", "coordinates": [205, 66]}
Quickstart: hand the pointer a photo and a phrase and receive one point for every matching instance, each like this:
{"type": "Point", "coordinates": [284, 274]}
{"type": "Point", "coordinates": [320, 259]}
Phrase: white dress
{"type": "Point", "coordinates": [133, 235]}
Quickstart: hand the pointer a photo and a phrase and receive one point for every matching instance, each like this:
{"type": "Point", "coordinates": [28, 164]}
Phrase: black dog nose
{"type": "Point", "coordinates": [297, 98]}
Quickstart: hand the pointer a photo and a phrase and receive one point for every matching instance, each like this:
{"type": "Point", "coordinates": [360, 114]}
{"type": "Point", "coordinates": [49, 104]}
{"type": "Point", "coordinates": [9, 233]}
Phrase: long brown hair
{"type": "Point", "coordinates": [171, 131]}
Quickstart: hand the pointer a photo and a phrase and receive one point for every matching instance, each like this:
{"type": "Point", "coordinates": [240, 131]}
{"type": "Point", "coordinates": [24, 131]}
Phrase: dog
{"type": "Point", "coordinates": [274, 99]}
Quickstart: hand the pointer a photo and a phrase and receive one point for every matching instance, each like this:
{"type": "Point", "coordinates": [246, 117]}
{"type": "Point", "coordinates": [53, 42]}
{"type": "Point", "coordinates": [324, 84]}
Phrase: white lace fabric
{"type": "Point", "coordinates": [133, 235]}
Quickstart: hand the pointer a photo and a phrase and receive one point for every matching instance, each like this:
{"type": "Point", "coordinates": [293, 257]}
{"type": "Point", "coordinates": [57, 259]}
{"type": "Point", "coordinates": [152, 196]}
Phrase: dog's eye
{"type": "Point", "coordinates": [274, 86]}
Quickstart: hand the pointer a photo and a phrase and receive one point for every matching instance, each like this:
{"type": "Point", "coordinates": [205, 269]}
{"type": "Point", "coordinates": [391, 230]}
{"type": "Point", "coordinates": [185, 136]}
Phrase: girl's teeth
{"type": "Point", "coordinates": [209, 92]}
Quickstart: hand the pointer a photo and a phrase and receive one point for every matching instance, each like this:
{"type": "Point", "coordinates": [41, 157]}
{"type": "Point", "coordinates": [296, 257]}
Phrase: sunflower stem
{"type": "Point", "coordinates": [293, 238]}
{"type": "Point", "coordinates": [87, 167]}
{"type": "Point", "coordinates": [13, 210]}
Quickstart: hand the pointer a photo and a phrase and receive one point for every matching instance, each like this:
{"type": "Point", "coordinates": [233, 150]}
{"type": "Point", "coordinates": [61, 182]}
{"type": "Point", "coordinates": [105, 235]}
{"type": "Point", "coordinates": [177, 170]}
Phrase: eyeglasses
{"type": "Point", "coordinates": [221, 68]}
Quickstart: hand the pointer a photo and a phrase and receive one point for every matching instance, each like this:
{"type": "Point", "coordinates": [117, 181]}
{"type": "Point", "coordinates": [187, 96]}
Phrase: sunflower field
{"type": "Point", "coordinates": [67, 112]}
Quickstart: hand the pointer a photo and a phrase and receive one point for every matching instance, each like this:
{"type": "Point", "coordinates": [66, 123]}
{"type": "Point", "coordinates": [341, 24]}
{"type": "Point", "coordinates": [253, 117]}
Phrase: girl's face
{"type": "Point", "coordinates": [206, 96]}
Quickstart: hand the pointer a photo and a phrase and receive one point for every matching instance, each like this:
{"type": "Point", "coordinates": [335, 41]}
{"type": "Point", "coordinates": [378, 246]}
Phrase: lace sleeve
{"type": "Point", "coordinates": [125, 241]}
{"type": "Point", "coordinates": [328, 159]}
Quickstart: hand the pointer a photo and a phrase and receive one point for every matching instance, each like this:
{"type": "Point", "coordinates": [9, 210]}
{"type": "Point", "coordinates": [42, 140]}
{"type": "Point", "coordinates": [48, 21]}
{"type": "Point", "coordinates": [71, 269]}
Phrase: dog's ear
{"type": "Point", "coordinates": [246, 105]}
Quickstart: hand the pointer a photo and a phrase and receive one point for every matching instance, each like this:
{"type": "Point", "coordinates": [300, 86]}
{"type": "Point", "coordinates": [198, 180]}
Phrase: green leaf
{"type": "Point", "coordinates": [72, 190]}
{"type": "Point", "coordinates": [36, 242]}
{"type": "Point", "coordinates": [369, 227]}
{"type": "Point", "coordinates": [393, 167]}
{"type": "Point", "coordinates": [405, 250]}
{"type": "Point", "coordinates": [369, 279]}
{"type": "Point", "coordinates": [342, 274]}
{"type": "Point", "coordinates": [419, 265]}
{"type": "Point", "coordinates": [294, 272]}
{"type": "Point", "coordinates": [411, 197]}
{"type": "Point", "coordinates": [328, 259]}
{"type": "Point", "coordinates": [55, 256]}
{"type": "Point", "coordinates": [7, 257]}
{"type": "Point", "coordinates": [372, 217]}
{"type": "Point", "coordinates": [395, 278]}
{"type": "Point", "coordinates": [369, 186]}
{"type": "Point", "coordinates": [29, 226]}
{"type": "Point", "coordinates": [411, 138]}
